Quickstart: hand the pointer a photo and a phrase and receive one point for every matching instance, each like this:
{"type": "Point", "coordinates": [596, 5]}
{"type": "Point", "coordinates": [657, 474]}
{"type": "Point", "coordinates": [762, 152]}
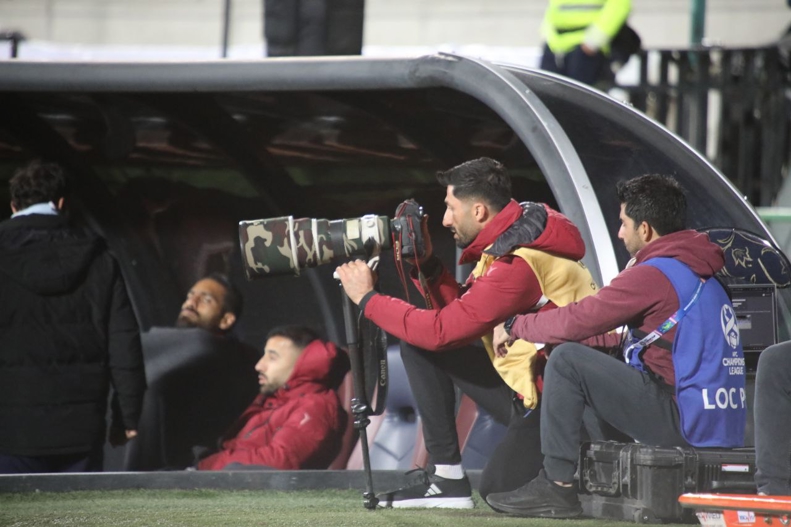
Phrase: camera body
{"type": "Point", "coordinates": [406, 230]}
{"type": "Point", "coordinates": [284, 245]}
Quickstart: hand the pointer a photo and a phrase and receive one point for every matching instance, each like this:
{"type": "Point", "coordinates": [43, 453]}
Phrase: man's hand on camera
{"type": "Point", "coordinates": [499, 340]}
{"type": "Point", "coordinates": [428, 248]}
{"type": "Point", "coordinates": [357, 279]}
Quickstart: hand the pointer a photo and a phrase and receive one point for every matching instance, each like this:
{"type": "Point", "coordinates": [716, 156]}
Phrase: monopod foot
{"type": "Point", "coordinates": [370, 501]}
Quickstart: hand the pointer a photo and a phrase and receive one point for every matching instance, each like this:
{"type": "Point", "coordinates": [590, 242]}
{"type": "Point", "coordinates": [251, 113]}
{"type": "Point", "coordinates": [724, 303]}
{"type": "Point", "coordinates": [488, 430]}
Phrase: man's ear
{"type": "Point", "coordinates": [227, 321]}
{"type": "Point", "coordinates": [480, 211]}
{"type": "Point", "coordinates": [645, 231]}
{"type": "Point", "coordinates": [59, 204]}
{"type": "Point", "coordinates": [13, 209]}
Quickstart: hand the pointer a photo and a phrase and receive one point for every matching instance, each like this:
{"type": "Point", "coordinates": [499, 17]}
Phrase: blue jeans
{"type": "Point", "coordinates": [773, 420]}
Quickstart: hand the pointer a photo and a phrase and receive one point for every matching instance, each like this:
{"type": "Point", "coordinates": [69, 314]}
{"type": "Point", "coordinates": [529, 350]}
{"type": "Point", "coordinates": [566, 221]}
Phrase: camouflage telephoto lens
{"type": "Point", "coordinates": [285, 245]}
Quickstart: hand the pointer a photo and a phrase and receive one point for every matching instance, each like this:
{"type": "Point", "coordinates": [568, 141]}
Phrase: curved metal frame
{"type": "Point", "coordinates": [546, 141]}
{"type": "Point", "coordinates": [494, 86]}
{"type": "Point", "coordinates": [515, 102]}
{"type": "Point", "coordinates": [699, 166]}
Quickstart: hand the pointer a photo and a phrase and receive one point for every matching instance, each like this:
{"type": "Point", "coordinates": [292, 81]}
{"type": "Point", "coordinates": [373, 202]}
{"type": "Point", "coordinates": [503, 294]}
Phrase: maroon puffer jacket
{"type": "Point", "coordinates": [300, 426]}
{"type": "Point", "coordinates": [463, 314]}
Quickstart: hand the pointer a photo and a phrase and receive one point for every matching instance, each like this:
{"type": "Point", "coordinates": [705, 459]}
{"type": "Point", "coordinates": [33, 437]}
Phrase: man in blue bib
{"type": "Point", "coordinates": [678, 376]}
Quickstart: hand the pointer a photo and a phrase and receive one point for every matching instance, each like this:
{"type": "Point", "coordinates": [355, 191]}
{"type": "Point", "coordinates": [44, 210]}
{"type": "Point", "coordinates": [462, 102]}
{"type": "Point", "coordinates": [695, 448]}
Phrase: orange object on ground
{"type": "Point", "coordinates": [739, 510]}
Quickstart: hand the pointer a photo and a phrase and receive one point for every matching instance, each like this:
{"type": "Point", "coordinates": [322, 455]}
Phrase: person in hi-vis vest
{"type": "Point", "coordinates": [578, 35]}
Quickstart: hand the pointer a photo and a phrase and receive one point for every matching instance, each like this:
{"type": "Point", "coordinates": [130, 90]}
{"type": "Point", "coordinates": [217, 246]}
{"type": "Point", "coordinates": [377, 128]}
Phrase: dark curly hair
{"type": "Point", "coordinates": [655, 199]}
{"type": "Point", "coordinates": [301, 336]}
{"type": "Point", "coordinates": [38, 182]}
{"type": "Point", "coordinates": [482, 178]}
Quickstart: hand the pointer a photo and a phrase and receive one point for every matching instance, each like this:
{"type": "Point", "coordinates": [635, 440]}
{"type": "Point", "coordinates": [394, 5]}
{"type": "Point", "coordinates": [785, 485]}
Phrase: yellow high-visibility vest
{"type": "Point", "coordinates": [566, 21]}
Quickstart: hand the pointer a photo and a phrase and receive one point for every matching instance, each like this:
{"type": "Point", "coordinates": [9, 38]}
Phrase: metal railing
{"type": "Point", "coordinates": [15, 37]}
{"type": "Point", "coordinates": [731, 105]}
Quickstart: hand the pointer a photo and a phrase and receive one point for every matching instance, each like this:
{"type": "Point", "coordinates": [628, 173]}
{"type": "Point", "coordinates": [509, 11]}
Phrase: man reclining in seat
{"type": "Point", "coordinates": [677, 385]}
{"type": "Point", "coordinates": [297, 422]}
{"type": "Point", "coordinates": [199, 376]}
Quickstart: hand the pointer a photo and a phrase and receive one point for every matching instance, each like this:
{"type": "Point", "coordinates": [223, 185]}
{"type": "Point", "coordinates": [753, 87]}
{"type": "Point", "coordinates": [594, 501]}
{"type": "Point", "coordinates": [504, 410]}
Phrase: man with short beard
{"type": "Point", "coordinates": [297, 421]}
{"type": "Point", "coordinates": [528, 259]}
{"type": "Point", "coordinates": [199, 375]}
{"type": "Point", "coordinates": [212, 304]}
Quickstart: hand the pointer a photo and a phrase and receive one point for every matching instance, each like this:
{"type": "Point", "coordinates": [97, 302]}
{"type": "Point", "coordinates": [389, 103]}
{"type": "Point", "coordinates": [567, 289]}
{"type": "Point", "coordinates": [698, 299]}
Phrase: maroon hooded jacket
{"type": "Point", "coordinates": [463, 314]}
{"type": "Point", "coordinates": [641, 297]}
{"type": "Point", "coordinates": [300, 426]}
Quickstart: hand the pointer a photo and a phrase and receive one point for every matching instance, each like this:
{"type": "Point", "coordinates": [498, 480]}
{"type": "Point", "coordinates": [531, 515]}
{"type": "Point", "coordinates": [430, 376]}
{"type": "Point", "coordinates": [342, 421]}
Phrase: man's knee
{"type": "Point", "coordinates": [418, 362]}
{"type": "Point", "coordinates": [562, 355]}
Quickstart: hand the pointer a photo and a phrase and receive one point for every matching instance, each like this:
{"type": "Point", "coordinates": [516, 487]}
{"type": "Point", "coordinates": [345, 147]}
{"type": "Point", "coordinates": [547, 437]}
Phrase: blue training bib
{"type": "Point", "coordinates": [708, 361]}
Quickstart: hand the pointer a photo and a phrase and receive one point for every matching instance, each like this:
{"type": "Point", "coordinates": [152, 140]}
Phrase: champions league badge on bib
{"type": "Point", "coordinates": [730, 326]}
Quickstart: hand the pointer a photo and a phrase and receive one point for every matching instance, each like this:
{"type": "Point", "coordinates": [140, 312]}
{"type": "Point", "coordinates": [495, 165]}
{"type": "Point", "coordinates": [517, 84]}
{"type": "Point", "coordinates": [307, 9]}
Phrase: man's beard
{"type": "Point", "coordinates": [463, 244]}
{"type": "Point", "coordinates": [461, 241]}
{"type": "Point", "coordinates": [184, 322]}
{"type": "Point", "coordinates": [632, 250]}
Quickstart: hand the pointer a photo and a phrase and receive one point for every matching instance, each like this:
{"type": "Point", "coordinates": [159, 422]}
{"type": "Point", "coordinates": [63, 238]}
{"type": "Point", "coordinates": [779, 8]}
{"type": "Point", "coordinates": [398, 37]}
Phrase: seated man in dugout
{"type": "Point", "coordinates": [200, 378]}
{"type": "Point", "coordinates": [680, 379]}
{"type": "Point", "coordinates": [297, 421]}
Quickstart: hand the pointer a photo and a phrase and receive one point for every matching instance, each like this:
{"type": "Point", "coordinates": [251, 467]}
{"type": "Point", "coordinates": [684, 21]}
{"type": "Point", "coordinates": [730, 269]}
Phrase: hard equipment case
{"type": "Point", "coordinates": [641, 483]}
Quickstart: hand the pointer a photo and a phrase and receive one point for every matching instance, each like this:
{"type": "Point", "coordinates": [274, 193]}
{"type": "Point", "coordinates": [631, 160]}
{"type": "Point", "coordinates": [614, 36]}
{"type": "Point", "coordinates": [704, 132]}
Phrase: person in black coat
{"type": "Point", "coordinates": [67, 333]}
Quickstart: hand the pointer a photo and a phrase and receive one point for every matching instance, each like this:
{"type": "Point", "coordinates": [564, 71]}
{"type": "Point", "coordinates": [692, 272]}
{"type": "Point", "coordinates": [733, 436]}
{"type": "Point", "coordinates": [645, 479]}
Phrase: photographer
{"type": "Point", "coordinates": [528, 259]}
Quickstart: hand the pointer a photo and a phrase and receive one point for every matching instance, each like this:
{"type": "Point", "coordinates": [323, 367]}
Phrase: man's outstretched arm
{"type": "Point", "coordinates": [508, 287]}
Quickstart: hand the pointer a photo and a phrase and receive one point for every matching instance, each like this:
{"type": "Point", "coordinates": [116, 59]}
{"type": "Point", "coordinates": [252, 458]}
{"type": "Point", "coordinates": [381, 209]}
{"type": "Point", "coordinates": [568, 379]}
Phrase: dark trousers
{"type": "Point", "coordinates": [79, 462]}
{"type": "Point", "coordinates": [517, 459]}
{"type": "Point", "coordinates": [772, 414]}
{"type": "Point", "coordinates": [313, 27]}
{"type": "Point", "coordinates": [578, 65]}
{"type": "Point", "coordinates": [578, 378]}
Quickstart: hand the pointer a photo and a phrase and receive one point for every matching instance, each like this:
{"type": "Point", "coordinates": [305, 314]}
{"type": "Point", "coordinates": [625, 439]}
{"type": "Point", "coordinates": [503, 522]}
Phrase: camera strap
{"type": "Point", "coordinates": [399, 260]}
{"type": "Point", "coordinates": [408, 240]}
{"type": "Point", "coordinates": [374, 352]}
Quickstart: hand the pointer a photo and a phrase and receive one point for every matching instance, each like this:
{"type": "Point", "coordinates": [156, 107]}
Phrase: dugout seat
{"type": "Point", "coordinates": [750, 258]}
{"type": "Point", "coordinates": [198, 384]}
{"type": "Point", "coordinates": [484, 434]}
{"type": "Point", "coordinates": [350, 436]}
